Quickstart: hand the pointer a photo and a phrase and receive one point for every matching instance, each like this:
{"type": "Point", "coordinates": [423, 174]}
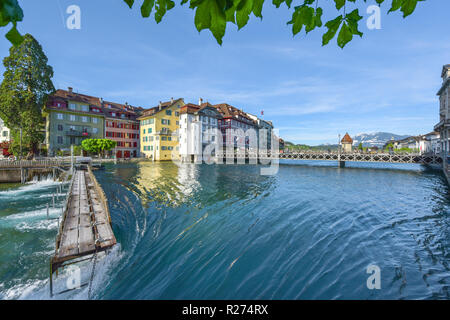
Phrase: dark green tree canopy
{"type": "Point", "coordinates": [24, 90]}
{"type": "Point", "coordinates": [215, 14]}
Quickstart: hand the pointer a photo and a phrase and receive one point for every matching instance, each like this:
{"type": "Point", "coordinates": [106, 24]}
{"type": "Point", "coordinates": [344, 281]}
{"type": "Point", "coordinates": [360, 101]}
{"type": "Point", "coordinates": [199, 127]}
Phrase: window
{"type": "Point", "coordinates": [149, 130]}
{"type": "Point", "coordinates": [72, 106]}
{"type": "Point", "coordinates": [59, 116]}
{"type": "Point", "coordinates": [178, 123]}
{"type": "Point", "coordinates": [84, 119]}
{"type": "Point", "coordinates": [5, 133]}
{"type": "Point", "coordinates": [177, 114]}
{"type": "Point", "coordinates": [163, 148]}
{"type": "Point", "coordinates": [169, 148]}
{"type": "Point", "coordinates": [169, 112]}
{"type": "Point", "coordinates": [113, 114]}
{"type": "Point", "coordinates": [164, 138]}
{"type": "Point", "coordinates": [94, 130]}
{"type": "Point", "coordinates": [72, 117]}
{"type": "Point", "coordinates": [84, 108]}
{"type": "Point", "coordinates": [151, 138]}
{"type": "Point", "coordinates": [60, 127]}
{"type": "Point", "coordinates": [94, 120]}
{"type": "Point", "coordinates": [169, 138]}
{"type": "Point", "coordinates": [60, 140]}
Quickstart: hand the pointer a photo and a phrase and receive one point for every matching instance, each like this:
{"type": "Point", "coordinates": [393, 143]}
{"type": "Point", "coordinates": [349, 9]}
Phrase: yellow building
{"type": "Point", "coordinates": [159, 130]}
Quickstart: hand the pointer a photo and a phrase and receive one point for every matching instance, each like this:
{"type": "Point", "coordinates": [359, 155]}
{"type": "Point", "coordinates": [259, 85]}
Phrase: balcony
{"type": "Point", "coordinates": [76, 133]}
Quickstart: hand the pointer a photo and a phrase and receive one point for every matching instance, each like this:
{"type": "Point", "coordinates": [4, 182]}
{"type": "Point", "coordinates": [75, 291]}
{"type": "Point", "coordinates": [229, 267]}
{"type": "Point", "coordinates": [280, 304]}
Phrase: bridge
{"type": "Point", "coordinates": [24, 170]}
{"type": "Point", "coordinates": [341, 158]}
{"type": "Point", "coordinates": [85, 230]}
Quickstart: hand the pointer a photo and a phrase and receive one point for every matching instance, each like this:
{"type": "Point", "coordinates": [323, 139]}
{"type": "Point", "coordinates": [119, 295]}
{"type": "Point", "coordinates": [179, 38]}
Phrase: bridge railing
{"type": "Point", "coordinates": [32, 163]}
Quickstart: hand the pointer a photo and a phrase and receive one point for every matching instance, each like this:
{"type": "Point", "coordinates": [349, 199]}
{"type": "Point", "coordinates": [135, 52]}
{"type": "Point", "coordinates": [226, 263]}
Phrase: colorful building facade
{"type": "Point", "coordinates": [159, 130]}
{"type": "Point", "coordinates": [197, 129]}
{"type": "Point", "coordinates": [443, 127]}
{"type": "Point", "coordinates": [70, 118]}
{"type": "Point", "coordinates": [122, 126]}
{"type": "Point", "coordinates": [234, 124]}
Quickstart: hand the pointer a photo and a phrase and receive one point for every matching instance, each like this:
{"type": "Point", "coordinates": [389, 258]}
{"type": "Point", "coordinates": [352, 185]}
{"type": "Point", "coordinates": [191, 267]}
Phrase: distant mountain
{"type": "Point", "coordinates": [377, 139]}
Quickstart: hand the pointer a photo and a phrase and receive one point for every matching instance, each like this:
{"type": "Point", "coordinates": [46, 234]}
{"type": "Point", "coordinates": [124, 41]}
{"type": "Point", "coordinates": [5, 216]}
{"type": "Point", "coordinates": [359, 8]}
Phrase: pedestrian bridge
{"type": "Point", "coordinates": [427, 159]}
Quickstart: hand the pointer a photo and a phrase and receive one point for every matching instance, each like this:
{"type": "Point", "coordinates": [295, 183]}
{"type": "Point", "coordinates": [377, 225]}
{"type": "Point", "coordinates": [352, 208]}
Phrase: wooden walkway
{"type": "Point", "coordinates": [86, 225]}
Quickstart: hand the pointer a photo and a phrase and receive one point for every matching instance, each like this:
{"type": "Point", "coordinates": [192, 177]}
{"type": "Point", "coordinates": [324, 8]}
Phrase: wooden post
{"type": "Point", "coordinates": [51, 279]}
{"type": "Point", "coordinates": [47, 210]}
{"type": "Point", "coordinates": [53, 200]}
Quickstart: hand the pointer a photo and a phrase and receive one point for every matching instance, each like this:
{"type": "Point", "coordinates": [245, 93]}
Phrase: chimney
{"type": "Point", "coordinates": [160, 105]}
{"type": "Point", "coordinates": [70, 89]}
{"type": "Point", "coordinates": [200, 101]}
{"type": "Point", "coordinates": [171, 100]}
{"type": "Point", "coordinates": [101, 100]}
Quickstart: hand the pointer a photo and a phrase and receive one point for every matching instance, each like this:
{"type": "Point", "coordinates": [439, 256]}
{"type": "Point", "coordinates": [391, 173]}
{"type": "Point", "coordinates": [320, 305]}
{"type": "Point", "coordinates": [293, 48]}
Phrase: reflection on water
{"type": "Point", "coordinates": [226, 232]}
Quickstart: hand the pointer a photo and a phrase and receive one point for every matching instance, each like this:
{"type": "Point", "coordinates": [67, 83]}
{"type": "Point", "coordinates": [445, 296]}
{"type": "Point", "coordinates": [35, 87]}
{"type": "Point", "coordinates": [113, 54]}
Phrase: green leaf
{"type": "Point", "coordinates": [129, 3]}
{"type": "Point", "coordinates": [333, 26]}
{"type": "Point", "coordinates": [202, 16]}
{"type": "Point", "coordinates": [396, 4]}
{"type": "Point", "coordinates": [408, 7]}
{"type": "Point", "coordinates": [352, 19]}
{"type": "Point", "coordinates": [277, 3]}
{"type": "Point", "coordinates": [218, 21]}
{"type": "Point", "coordinates": [345, 35]}
{"type": "Point", "coordinates": [339, 4]}
{"type": "Point", "coordinates": [161, 8]}
{"type": "Point", "coordinates": [210, 14]}
{"type": "Point", "coordinates": [257, 8]}
{"type": "Point", "coordinates": [243, 11]}
{"type": "Point", "coordinates": [147, 7]}
{"type": "Point", "coordinates": [14, 36]}
{"type": "Point", "coordinates": [316, 21]}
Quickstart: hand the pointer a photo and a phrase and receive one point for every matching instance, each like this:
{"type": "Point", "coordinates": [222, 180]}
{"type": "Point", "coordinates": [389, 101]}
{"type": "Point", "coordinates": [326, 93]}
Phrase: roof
{"type": "Point", "coordinates": [347, 139]}
{"type": "Point", "coordinates": [78, 97]}
{"type": "Point", "coordinates": [228, 111]}
{"type": "Point", "coordinates": [162, 106]}
{"type": "Point", "coordinates": [445, 68]}
{"type": "Point", "coordinates": [96, 101]}
{"type": "Point", "coordinates": [189, 108]}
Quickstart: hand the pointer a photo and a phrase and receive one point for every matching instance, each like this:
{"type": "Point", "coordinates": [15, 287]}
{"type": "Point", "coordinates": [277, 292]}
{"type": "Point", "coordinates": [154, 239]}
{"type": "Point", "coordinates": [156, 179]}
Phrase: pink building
{"type": "Point", "coordinates": [121, 126]}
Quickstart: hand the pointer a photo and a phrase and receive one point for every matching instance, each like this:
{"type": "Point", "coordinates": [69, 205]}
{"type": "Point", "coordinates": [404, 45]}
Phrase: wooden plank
{"type": "Point", "coordinates": [69, 243]}
{"type": "Point", "coordinates": [86, 241]}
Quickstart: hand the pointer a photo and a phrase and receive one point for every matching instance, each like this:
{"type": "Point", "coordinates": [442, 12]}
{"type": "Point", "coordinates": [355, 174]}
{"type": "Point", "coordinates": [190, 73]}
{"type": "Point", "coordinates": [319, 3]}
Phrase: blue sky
{"type": "Point", "coordinates": [386, 81]}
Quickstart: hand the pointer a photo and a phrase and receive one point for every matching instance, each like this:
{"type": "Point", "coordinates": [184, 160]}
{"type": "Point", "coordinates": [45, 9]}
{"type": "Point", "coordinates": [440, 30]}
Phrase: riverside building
{"type": "Point", "coordinates": [198, 124]}
{"type": "Point", "coordinates": [443, 127]}
{"type": "Point", "coordinates": [159, 130]}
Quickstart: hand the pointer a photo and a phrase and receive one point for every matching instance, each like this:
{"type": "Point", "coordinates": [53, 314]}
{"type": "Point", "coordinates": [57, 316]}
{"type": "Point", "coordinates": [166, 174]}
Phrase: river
{"type": "Point", "coordinates": [227, 232]}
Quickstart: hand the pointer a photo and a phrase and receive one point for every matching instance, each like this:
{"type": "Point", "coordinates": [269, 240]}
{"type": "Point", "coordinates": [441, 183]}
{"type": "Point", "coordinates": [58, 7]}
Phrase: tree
{"type": "Point", "coordinates": [215, 14]}
{"type": "Point", "coordinates": [360, 146]}
{"type": "Point", "coordinates": [24, 91]}
{"type": "Point", "coordinates": [98, 146]}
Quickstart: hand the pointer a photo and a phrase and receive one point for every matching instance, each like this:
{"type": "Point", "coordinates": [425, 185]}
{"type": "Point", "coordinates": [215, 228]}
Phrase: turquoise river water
{"type": "Point", "coordinates": [227, 232]}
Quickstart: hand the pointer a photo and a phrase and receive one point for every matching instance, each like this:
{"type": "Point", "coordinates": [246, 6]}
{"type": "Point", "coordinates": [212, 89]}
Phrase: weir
{"type": "Point", "coordinates": [85, 229]}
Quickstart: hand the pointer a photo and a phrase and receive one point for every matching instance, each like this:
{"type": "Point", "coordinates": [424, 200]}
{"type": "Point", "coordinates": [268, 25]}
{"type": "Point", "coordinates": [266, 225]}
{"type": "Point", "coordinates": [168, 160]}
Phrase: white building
{"type": "Point", "coordinates": [198, 124]}
{"type": "Point", "coordinates": [5, 133]}
{"type": "Point", "coordinates": [443, 127]}
{"type": "Point", "coordinates": [429, 143]}
{"type": "Point", "coordinates": [263, 124]}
